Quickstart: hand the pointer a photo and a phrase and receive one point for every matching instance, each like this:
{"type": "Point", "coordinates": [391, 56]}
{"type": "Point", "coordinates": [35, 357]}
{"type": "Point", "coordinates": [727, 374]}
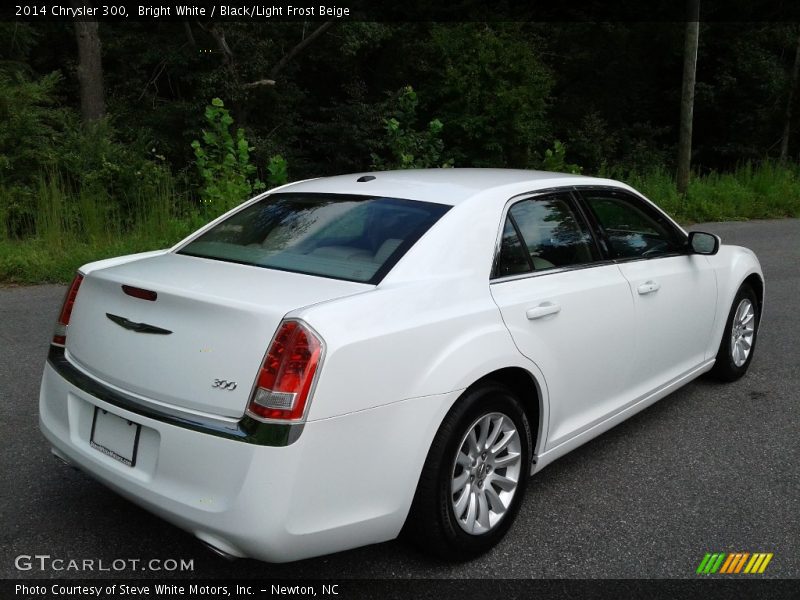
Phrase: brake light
{"type": "Point", "coordinates": [140, 293]}
{"type": "Point", "coordinates": [60, 332]}
{"type": "Point", "coordinates": [287, 373]}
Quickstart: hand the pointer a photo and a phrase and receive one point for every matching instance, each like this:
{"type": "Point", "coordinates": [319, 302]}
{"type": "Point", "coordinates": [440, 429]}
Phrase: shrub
{"type": "Point", "coordinates": [408, 147]}
{"type": "Point", "coordinates": [223, 161]}
{"type": "Point", "coordinates": [277, 171]}
{"type": "Point", "coordinates": [555, 159]}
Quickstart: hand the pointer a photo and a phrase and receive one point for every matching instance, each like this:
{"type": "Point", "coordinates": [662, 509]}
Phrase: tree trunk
{"type": "Point", "coordinates": [90, 68]}
{"type": "Point", "coordinates": [787, 119]}
{"type": "Point", "coordinates": [687, 95]}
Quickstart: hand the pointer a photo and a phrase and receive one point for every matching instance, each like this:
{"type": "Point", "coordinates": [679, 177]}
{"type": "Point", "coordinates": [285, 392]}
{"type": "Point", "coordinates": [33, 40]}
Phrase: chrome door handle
{"type": "Point", "coordinates": [544, 309]}
{"type": "Point", "coordinates": [648, 287]}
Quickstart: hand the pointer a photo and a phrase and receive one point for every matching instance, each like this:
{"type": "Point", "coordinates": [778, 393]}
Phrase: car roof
{"type": "Point", "coordinates": [443, 186]}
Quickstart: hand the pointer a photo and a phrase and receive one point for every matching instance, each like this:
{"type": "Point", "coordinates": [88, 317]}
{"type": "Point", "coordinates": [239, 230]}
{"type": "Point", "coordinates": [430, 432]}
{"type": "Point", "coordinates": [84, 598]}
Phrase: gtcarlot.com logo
{"type": "Point", "coordinates": [734, 563]}
{"type": "Point", "coordinates": [46, 562]}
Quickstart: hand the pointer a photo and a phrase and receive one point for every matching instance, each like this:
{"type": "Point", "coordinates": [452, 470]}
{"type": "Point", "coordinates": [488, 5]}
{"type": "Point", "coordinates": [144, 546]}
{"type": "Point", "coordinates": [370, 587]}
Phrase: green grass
{"type": "Point", "coordinates": [37, 261]}
{"type": "Point", "coordinates": [764, 191]}
{"type": "Point", "coordinates": [69, 228]}
{"type": "Point", "coordinates": [65, 228]}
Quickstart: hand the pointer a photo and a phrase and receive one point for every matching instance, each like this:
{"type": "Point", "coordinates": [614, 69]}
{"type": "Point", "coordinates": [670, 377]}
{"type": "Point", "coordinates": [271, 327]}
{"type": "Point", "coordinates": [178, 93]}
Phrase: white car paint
{"type": "Point", "coordinates": [397, 356]}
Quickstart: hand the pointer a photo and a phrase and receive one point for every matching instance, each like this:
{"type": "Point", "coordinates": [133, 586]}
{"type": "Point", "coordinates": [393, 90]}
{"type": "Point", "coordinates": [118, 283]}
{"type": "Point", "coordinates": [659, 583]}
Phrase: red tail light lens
{"type": "Point", "coordinates": [140, 293]}
{"type": "Point", "coordinates": [60, 332]}
{"type": "Point", "coordinates": [287, 373]}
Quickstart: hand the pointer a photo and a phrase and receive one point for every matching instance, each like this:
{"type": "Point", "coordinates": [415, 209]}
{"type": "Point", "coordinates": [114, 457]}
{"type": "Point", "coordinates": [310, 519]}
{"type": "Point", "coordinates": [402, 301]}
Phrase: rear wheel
{"type": "Point", "coordinates": [739, 338]}
{"type": "Point", "coordinates": [474, 478]}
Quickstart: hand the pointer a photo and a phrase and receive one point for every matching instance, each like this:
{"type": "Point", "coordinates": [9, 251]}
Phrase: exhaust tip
{"type": "Point", "coordinates": [62, 458]}
{"type": "Point", "coordinates": [219, 551]}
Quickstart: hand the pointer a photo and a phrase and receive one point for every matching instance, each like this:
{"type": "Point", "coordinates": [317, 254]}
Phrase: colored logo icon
{"type": "Point", "coordinates": [734, 563]}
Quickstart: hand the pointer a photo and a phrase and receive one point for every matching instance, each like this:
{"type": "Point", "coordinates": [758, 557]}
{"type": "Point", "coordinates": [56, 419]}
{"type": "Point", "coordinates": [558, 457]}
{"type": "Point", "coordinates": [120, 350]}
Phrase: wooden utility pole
{"type": "Point", "coordinates": [687, 95]}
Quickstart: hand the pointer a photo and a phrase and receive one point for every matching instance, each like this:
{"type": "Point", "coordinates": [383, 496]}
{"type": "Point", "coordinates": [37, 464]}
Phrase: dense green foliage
{"type": "Point", "coordinates": [409, 148]}
{"type": "Point", "coordinates": [195, 126]}
{"type": "Point", "coordinates": [223, 161]}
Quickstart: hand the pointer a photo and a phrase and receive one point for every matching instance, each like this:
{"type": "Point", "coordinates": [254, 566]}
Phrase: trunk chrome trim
{"type": "Point", "coordinates": [246, 429]}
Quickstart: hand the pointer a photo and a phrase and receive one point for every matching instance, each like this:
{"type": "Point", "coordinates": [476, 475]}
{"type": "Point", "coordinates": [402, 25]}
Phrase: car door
{"type": "Point", "coordinates": [568, 311]}
{"type": "Point", "coordinates": [674, 291]}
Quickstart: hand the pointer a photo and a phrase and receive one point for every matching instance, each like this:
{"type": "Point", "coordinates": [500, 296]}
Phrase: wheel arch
{"type": "Point", "coordinates": [755, 281]}
{"type": "Point", "coordinates": [525, 386]}
{"type": "Point", "coordinates": [734, 267]}
{"type": "Point", "coordinates": [530, 392]}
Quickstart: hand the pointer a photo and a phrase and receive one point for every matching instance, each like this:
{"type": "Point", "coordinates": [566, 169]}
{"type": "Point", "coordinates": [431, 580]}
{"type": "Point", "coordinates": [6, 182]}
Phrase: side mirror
{"type": "Point", "coordinates": [701, 242]}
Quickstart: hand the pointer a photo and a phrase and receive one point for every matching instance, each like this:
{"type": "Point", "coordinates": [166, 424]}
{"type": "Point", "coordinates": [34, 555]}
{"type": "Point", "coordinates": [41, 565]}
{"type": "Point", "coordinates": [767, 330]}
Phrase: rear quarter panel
{"type": "Point", "coordinates": [408, 342]}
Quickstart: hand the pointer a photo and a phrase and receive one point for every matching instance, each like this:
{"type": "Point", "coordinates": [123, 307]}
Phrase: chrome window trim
{"type": "Point", "coordinates": [580, 267]}
{"type": "Point", "coordinates": [577, 189]}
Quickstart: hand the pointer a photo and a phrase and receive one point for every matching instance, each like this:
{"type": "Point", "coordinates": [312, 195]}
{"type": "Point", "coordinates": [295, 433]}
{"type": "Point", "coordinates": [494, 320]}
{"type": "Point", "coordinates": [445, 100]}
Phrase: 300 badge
{"type": "Point", "coordinates": [224, 384]}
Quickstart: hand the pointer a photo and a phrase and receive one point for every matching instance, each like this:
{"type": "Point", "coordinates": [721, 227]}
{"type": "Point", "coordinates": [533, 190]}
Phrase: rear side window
{"type": "Point", "coordinates": [543, 233]}
{"type": "Point", "coordinates": [356, 238]}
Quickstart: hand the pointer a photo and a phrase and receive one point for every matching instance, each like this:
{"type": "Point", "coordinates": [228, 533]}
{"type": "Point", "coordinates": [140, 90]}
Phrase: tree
{"type": "Point", "coordinates": [687, 95]}
{"type": "Point", "coordinates": [90, 67]}
{"type": "Point", "coordinates": [489, 85]}
{"type": "Point", "coordinates": [787, 121]}
{"type": "Point", "coordinates": [409, 147]}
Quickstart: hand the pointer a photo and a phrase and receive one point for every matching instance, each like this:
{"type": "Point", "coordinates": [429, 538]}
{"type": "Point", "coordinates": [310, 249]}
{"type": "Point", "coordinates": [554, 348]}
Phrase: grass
{"type": "Point", "coordinates": [68, 228]}
{"type": "Point", "coordinates": [37, 261]}
{"type": "Point", "coordinates": [764, 191]}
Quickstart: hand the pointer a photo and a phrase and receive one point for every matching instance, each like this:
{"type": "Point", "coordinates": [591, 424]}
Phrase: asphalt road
{"type": "Point", "coordinates": [710, 468]}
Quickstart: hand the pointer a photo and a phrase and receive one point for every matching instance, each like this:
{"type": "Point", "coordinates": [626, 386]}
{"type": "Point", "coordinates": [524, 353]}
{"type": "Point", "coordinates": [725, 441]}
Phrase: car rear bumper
{"type": "Point", "coordinates": [345, 482]}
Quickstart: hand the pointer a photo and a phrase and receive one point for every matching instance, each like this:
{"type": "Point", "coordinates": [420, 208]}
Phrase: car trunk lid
{"type": "Point", "coordinates": [199, 344]}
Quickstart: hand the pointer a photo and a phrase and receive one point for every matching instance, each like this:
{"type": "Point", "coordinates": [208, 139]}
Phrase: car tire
{"type": "Point", "coordinates": [741, 329]}
{"type": "Point", "coordinates": [474, 478]}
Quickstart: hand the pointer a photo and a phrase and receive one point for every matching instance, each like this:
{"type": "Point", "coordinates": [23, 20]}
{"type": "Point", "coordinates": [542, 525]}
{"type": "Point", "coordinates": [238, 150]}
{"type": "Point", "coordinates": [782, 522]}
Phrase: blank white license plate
{"type": "Point", "coordinates": [115, 437]}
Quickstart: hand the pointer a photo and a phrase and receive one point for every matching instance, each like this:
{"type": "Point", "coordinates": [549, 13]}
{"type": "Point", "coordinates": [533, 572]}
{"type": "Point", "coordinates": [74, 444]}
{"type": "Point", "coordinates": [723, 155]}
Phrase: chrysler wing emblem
{"type": "Point", "coordinates": [137, 327]}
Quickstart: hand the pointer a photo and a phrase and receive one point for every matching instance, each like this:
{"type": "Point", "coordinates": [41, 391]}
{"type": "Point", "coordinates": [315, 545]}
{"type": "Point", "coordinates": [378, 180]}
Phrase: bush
{"type": "Point", "coordinates": [277, 171]}
{"type": "Point", "coordinates": [223, 162]}
{"type": "Point", "coordinates": [555, 159]}
{"type": "Point", "coordinates": [31, 125]}
{"type": "Point", "coordinates": [408, 147]}
{"type": "Point", "coordinates": [42, 147]}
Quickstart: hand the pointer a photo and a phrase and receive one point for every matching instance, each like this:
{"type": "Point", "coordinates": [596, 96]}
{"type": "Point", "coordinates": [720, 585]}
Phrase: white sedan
{"type": "Point", "coordinates": [342, 360]}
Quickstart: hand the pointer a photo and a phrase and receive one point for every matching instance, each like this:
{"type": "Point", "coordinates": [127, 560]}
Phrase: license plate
{"type": "Point", "coordinates": [115, 437]}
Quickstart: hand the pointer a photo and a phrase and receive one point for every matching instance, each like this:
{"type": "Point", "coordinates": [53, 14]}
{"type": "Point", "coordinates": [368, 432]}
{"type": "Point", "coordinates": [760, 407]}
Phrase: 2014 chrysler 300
{"type": "Point", "coordinates": [344, 359]}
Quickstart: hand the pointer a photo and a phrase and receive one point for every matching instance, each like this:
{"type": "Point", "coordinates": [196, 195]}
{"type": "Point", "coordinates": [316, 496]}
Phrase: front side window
{"type": "Point", "coordinates": [356, 238]}
{"type": "Point", "coordinates": [543, 233]}
{"type": "Point", "coordinates": [633, 229]}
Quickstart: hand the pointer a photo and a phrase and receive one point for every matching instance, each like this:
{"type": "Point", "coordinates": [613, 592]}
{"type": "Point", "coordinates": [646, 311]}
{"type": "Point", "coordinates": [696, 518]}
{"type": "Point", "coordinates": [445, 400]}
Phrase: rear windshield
{"type": "Point", "coordinates": [356, 238]}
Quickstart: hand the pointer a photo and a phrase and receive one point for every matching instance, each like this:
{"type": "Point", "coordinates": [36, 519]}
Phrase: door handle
{"type": "Point", "coordinates": [544, 309]}
{"type": "Point", "coordinates": [648, 287]}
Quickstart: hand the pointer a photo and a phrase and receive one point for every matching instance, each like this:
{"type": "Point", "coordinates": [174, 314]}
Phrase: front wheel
{"type": "Point", "coordinates": [739, 338]}
{"type": "Point", "coordinates": [474, 478]}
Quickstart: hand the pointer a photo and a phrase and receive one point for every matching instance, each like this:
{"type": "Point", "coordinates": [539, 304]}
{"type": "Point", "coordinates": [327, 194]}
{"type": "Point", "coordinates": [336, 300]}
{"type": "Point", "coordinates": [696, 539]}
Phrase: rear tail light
{"type": "Point", "coordinates": [287, 374]}
{"type": "Point", "coordinates": [60, 332]}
